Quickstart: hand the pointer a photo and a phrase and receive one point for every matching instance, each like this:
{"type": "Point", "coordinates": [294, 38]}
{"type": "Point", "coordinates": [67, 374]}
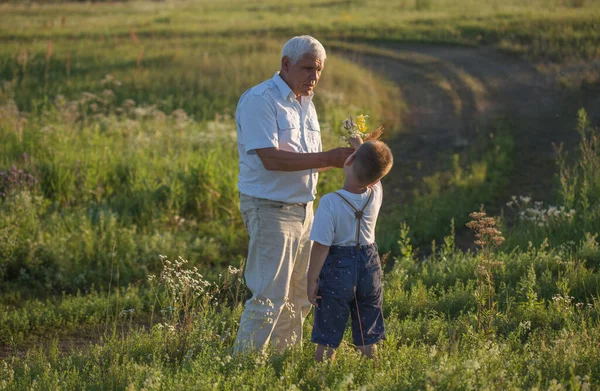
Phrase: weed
{"type": "Point", "coordinates": [487, 237]}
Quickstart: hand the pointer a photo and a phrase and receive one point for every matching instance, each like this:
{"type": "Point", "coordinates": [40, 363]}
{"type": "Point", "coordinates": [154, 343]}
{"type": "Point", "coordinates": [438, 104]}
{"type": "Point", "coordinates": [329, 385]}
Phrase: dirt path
{"type": "Point", "coordinates": [454, 94]}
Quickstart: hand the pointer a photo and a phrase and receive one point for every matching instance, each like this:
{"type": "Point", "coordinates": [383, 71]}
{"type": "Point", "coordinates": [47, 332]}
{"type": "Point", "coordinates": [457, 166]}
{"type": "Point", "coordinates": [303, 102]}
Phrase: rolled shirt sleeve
{"type": "Point", "coordinates": [258, 119]}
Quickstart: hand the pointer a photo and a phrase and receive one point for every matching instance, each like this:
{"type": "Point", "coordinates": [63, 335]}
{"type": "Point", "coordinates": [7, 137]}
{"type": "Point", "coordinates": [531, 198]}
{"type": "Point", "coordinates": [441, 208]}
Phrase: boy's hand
{"type": "Point", "coordinates": [311, 290]}
{"type": "Point", "coordinates": [356, 142]}
{"type": "Point", "coordinates": [318, 253]}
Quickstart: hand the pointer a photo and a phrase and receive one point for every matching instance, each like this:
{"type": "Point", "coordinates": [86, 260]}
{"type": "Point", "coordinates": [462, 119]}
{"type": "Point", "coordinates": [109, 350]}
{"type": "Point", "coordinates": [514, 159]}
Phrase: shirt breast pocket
{"type": "Point", "coordinates": [313, 135]}
{"type": "Point", "coordinates": [289, 131]}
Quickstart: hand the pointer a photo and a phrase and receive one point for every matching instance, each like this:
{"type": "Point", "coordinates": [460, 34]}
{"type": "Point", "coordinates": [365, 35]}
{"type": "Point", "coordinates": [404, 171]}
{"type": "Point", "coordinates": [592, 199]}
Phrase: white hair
{"type": "Point", "coordinates": [297, 47]}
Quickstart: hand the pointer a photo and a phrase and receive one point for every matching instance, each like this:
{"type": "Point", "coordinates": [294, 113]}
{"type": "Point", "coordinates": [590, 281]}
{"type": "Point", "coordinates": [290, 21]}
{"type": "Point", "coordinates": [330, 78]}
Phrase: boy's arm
{"type": "Point", "coordinates": [318, 254]}
{"type": "Point", "coordinates": [356, 142]}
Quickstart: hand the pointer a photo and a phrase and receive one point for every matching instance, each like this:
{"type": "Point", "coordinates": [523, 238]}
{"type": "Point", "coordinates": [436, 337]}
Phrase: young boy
{"type": "Point", "coordinates": [344, 276]}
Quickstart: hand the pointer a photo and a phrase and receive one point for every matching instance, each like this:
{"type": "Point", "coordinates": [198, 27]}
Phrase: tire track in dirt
{"type": "Point", "coordinates": [454, 94]}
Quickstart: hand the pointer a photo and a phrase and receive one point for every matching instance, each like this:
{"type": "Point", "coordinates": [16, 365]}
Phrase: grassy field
{"type": "Point", "coordinates": [117, 153]}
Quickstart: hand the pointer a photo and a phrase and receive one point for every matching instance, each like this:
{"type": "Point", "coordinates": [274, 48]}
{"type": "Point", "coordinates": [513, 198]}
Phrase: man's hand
{"type": "Point", "coordinates": [355, 141]}
{"type": "Point", "coordinates": [312, 289]}
{"type": "Point", "coordinates": [338, 156]}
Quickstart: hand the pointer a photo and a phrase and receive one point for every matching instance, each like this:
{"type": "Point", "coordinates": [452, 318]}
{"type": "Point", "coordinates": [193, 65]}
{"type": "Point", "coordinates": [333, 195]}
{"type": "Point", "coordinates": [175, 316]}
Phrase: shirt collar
{"type": "Point", "coordinates": [286, 91]}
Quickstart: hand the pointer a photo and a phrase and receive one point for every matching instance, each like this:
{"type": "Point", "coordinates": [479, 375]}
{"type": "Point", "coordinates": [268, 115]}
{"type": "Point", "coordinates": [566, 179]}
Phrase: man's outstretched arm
{"type": "Point", "coordinates": [274, 159]}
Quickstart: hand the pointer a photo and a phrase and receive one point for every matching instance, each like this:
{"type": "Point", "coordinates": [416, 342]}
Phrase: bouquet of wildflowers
{"type": "Point", "coordinates": [358, 127]}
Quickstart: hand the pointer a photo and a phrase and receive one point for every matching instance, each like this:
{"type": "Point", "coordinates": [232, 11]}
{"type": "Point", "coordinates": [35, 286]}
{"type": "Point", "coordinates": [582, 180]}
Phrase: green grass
{"type": "Point", "coordinates": [545, 333]}
{"type": "Point", "coordinates": [130, 182]}
{"type": "Point", "coordinates": [542, 29]}
{"type": "Point", "coordinates": [125, 142]}
{"type": "Point", "coordinates": [204, 76]}
{"type": "Point", "coordinates": [448, 196]}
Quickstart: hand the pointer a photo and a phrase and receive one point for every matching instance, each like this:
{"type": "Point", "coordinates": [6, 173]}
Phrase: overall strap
{"type": "Point", "coordinates": [358, 214]}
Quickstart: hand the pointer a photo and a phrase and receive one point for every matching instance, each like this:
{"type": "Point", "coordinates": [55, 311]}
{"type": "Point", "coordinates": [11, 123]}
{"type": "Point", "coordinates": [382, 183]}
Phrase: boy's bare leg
{"type": "Point", "coordinates": [369, 351]}
{"type": "Point", "coordinates": [324, 353]}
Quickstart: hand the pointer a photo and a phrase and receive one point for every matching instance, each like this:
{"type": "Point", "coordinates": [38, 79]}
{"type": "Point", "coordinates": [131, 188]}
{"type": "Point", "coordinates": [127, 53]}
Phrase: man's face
{"type": "Point", "coordinates": [303, 76]}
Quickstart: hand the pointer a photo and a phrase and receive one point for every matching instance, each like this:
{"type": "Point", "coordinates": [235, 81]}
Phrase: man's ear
{"type": "Point", "coordinates": [285, 64]}
{"type": "Point", "coordinates": [349, 160]}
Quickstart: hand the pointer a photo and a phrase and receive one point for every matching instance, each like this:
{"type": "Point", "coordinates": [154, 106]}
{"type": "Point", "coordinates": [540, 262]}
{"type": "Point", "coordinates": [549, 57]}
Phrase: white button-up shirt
{"type": "Point", "coordinates": [268, 115]}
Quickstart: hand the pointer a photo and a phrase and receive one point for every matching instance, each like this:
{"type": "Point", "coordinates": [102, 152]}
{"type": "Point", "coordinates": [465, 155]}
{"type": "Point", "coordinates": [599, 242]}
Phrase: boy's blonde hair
{"type": "Point", "coordinates": [372, 161]}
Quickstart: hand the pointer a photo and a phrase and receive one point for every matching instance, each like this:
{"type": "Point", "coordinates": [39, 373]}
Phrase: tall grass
{"type": "Point", "coordinates": [543, 333]}
{"type": "Point", "coordinates": [142, 175]}
{"type": "Point", "coordinates": [117, 147]}
{"type": "Point", "coordinates": [450, 194]}
{"type": "Point", "coordinates": [576, 212]}
{"type": "Point", "coordinates": [201, 76]}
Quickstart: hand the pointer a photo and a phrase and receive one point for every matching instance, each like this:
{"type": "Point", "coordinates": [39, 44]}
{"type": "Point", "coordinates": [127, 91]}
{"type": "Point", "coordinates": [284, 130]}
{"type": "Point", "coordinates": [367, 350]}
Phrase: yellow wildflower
{"type": "Point", "coordinates": [361, 123]}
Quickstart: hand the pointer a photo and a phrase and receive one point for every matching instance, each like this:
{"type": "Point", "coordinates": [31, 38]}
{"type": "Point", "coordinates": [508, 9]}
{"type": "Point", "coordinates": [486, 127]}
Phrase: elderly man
{"type": "Point", "coordinates": [279, 143]}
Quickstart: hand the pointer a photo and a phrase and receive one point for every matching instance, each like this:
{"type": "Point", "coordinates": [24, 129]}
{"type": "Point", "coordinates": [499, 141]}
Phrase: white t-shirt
{"type": "Point", "coordinates": [268, 115]}
{"type": "Point", "coordinates": [335, 223]}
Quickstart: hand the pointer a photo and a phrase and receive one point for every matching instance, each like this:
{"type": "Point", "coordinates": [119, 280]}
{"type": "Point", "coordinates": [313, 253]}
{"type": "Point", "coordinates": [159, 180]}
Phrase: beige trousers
{"type": "Point", "coordinates": [275, 273]}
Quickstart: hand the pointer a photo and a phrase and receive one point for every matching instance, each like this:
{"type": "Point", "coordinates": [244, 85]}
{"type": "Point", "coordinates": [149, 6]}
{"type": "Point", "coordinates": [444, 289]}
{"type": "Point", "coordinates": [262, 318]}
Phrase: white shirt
{"type": "Point", "coordinates": [268, 115]}
{"type": "Point", "coordinates": [335, 224]}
